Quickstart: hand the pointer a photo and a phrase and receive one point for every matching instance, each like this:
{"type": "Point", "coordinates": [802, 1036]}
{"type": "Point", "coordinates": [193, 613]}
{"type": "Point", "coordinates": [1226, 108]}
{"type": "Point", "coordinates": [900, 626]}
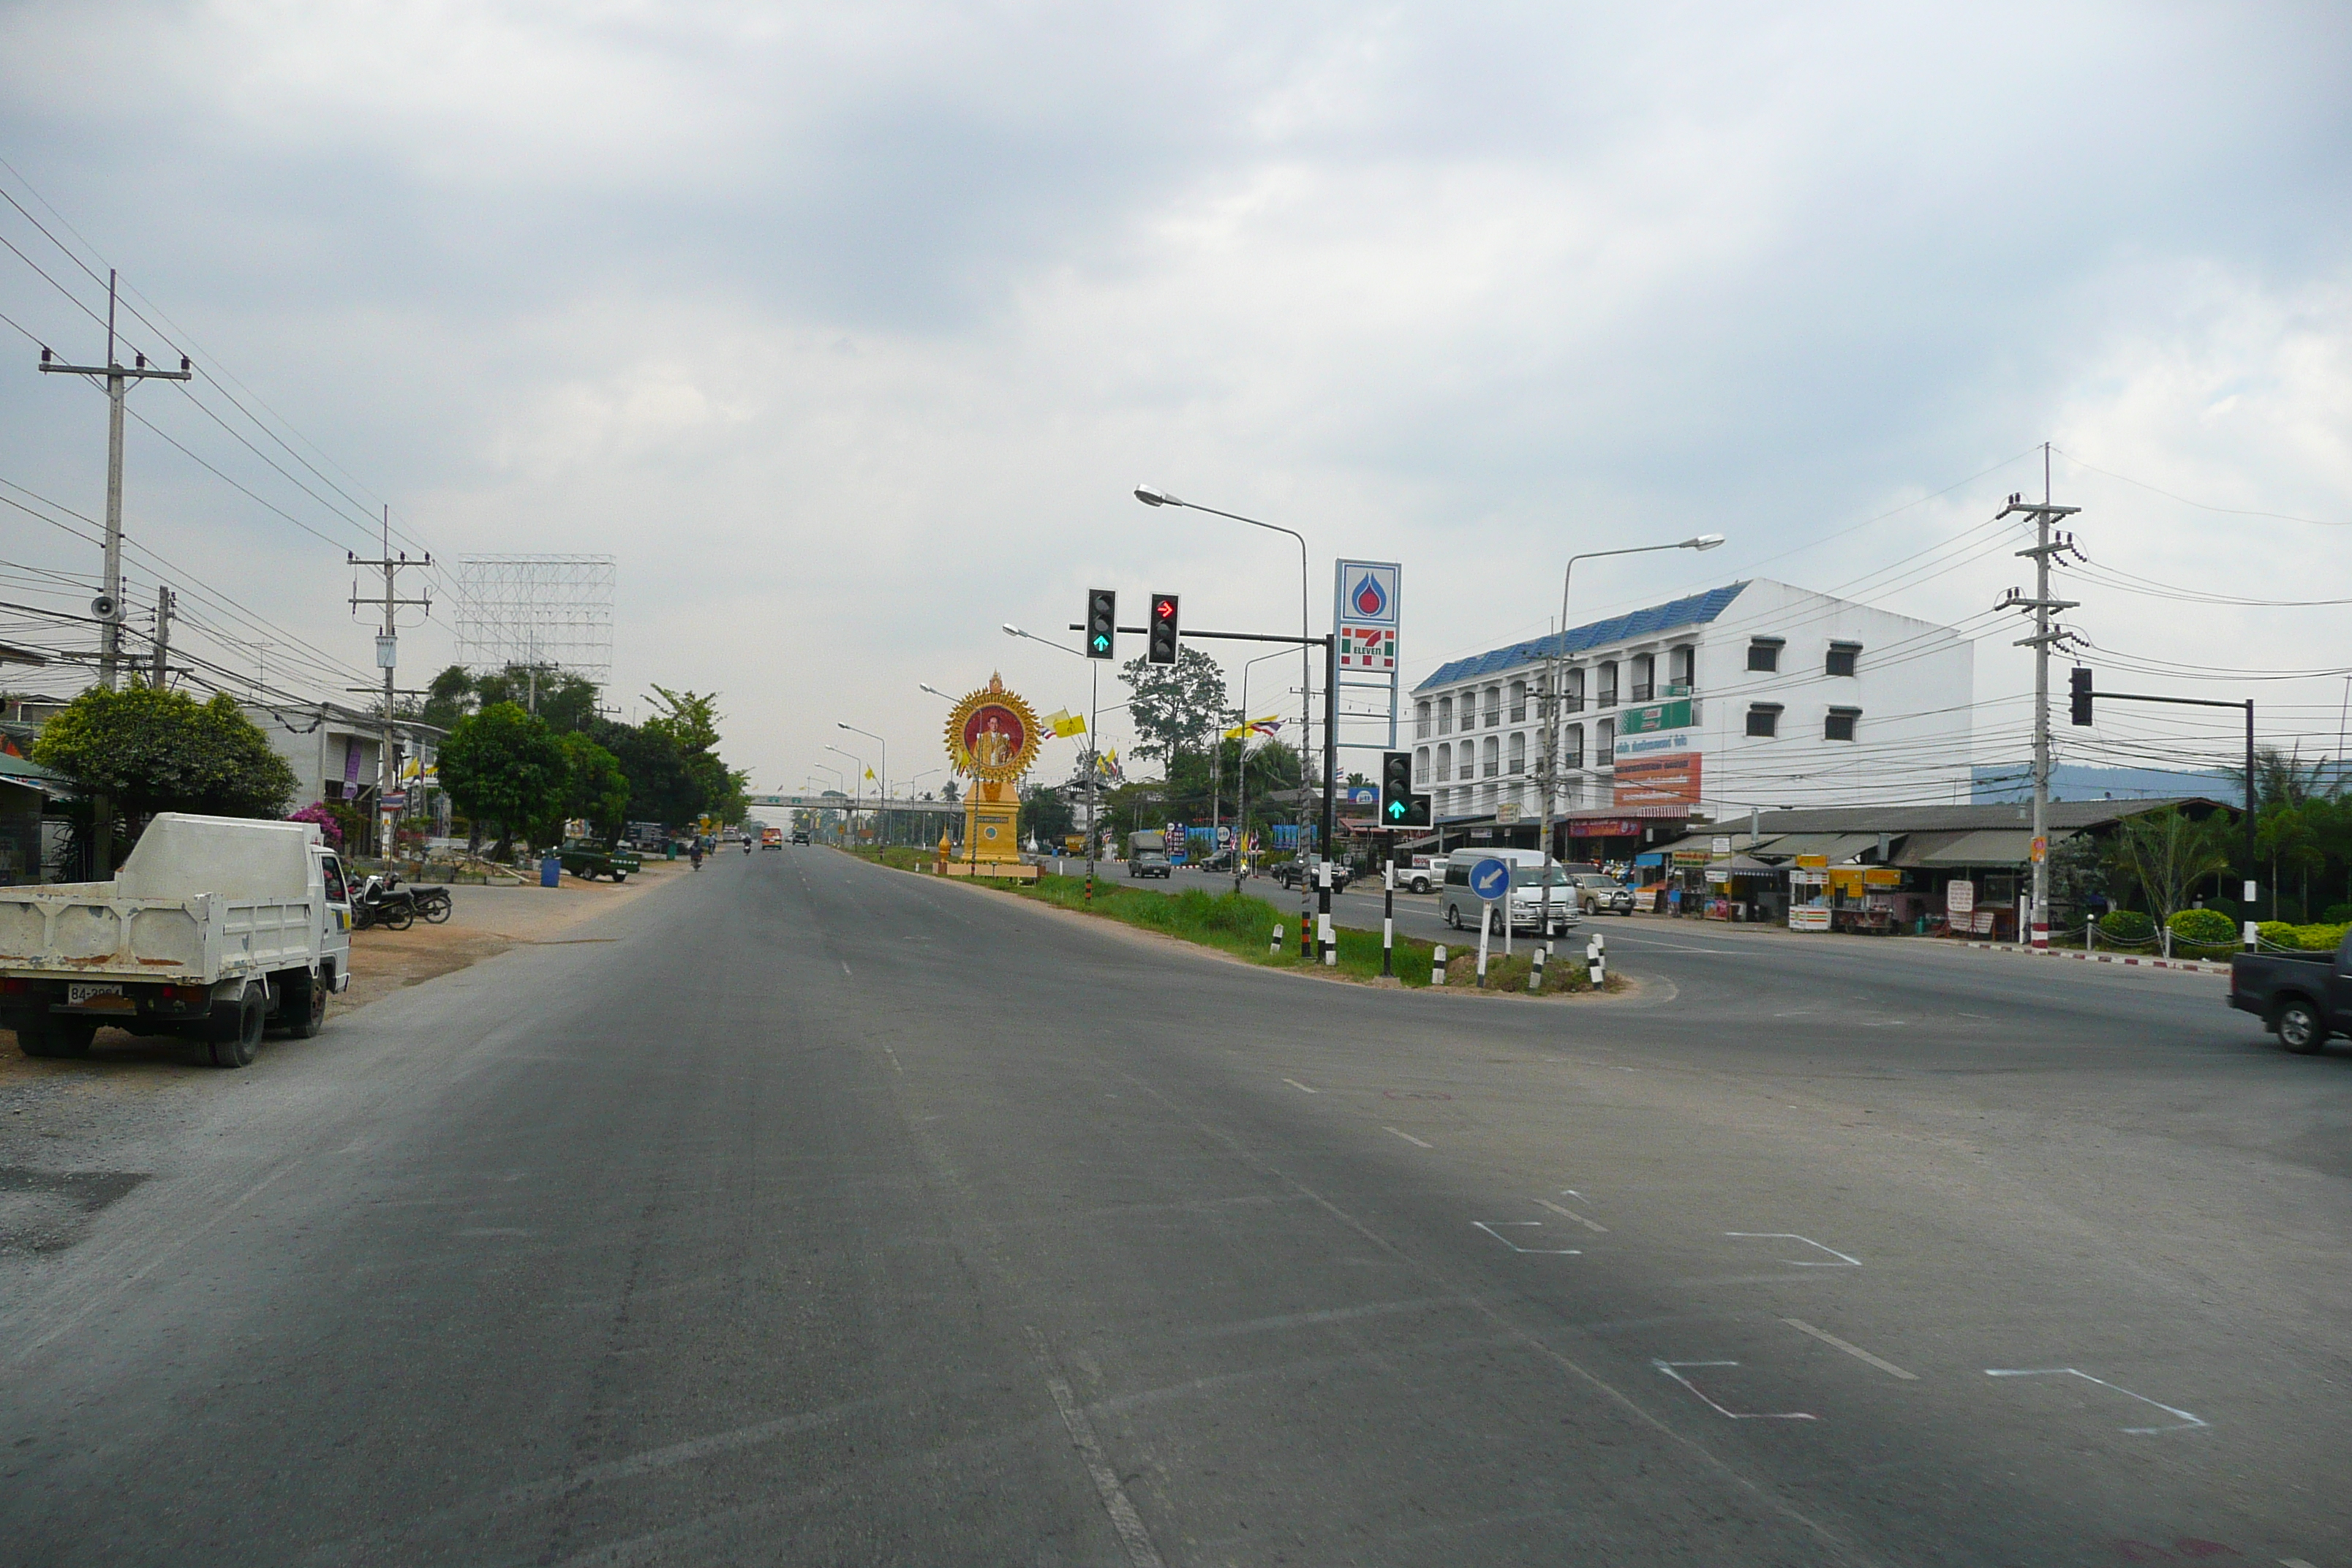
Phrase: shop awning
{"type": "Point", "coordinates": [1838, 849]}
{"type": "Point", "coordinates": [1985, 847]}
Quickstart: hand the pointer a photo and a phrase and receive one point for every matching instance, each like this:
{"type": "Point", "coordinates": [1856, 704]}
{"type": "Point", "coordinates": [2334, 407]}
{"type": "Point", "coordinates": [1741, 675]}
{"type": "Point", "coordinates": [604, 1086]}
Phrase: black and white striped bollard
{"type": "Point", "coordinates": [1437, 966]}
{"type": "Point", "coordinates": [1534, 966]}
{"type": "Point", "coordinates": [1273, 949]}
{"type": "Point", "coordinates": [1596, 959]}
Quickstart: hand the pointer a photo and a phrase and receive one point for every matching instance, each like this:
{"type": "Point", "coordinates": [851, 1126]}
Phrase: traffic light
{"type": "Point", "coordinates": [1163, 629]}
{"type": "Point", "coordinates": [1399, 808]}
{"type": "Point", "coordinates": [2079, 680]}
{"type": "Point", "coordinates": [1102, 623]}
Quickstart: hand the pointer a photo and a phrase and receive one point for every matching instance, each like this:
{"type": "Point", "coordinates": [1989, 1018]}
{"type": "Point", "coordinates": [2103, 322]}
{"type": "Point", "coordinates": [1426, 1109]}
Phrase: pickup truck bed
{"type": "Point", "coordinates": [2302, 998]}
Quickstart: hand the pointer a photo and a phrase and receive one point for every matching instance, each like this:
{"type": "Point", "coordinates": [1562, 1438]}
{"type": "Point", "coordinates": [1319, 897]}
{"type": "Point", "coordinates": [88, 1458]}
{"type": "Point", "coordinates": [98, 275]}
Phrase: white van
{"type": "Point", "coordinates": [1464, 909]}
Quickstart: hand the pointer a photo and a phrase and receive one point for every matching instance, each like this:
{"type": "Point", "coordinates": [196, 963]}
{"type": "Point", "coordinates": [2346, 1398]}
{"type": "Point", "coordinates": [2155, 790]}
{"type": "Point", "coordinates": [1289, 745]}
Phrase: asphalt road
{"type": "Point", "coordinates": [805, 1212]}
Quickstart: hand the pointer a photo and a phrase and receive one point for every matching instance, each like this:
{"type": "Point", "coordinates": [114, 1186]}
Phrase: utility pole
{"type": "Point", "coordinates": [2045, 545]}
{"type": "Point", "coordinates": [165, 602]}
{"type": "Point", "coordinates": [108, 606]}
{"type": "Point", "coordinates": [387, 657]}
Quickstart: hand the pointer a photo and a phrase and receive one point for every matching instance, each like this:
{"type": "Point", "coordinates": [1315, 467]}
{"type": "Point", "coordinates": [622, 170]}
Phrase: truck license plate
{"type": "Point", "coordinates": [96, 995]}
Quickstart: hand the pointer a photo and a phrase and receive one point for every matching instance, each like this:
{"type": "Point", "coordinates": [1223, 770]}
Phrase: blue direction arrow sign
{"type": "Point", "coordinates": [1490, 879]}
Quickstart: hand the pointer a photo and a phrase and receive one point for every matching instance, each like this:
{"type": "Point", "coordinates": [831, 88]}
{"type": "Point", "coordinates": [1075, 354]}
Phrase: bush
{"type": "Point", "coordinates": [2315, 939]}
{"type": "Point", "coordinates": [2204, 928]}
{"type": "Point", "coordinates": [2127, 925]}
{"type": "Point", "coordinates": [2337, 915]}
{"type": "Point", "coordinates": [2277, 933]}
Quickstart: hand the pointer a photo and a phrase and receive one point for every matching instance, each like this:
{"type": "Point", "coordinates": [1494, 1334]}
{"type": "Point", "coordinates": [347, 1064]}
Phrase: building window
{"type": "Point", "coordinates": [1494, 706]}
{"type": "Point", "coordinates": [1681, 669]}
{"type": "Point", "coordinates": [1445, 715]}
{"type": "Point", "coordinates": [1764, 653]}
{"type": "Point", "coordinates": [1842, 659]}
{"type": "Point", "coordinates": [1607, 697]}
{"type": "Point", "coordinates": [1518, 703]}
{"type": "Point", "coordinates": [1644, 677]}
{"type": "Point", "coordinates": [1421, 773]}
{"type": "Point", "coordinates": [1764, 719]}
{"type": "Point", "coordinates": [1421, 721]}
{"type": "Point", "coordinates": [1573, 744]}
{"type": "Point", "coordinates": [1839, 725]}
{"type": "Point", "coordinates": [1444, 764]}
{"type": "Point", "coordinates": [1518, 760]}
{"type": "Point", "coordinates": [1572, 701]}
{"type": "Point", "coordinates": [1604, 743]}
{"type": "Point", "coordinates": [1489, 753]}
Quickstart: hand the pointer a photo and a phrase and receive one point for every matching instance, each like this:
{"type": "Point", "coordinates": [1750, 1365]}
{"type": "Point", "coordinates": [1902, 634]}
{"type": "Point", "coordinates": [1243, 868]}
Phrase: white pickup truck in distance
{"type": "Point", "coordinates": [215, 928]}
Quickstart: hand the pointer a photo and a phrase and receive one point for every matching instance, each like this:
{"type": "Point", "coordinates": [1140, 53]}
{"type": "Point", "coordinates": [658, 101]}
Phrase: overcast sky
{"type": "Point", "coordinates": [849, 330]}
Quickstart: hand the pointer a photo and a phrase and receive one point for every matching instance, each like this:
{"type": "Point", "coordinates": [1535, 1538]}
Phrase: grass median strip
{"type": "Point", "coordinates": [1243, 926]}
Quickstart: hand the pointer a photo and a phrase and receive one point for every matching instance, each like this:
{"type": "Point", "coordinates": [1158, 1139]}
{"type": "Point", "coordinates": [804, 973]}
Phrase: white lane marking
{"type": "Point", "coordinates": [1668, 1367]}
{"type": "Point", "coordinates": [1593, 1225]}
{"type": "Point", "coordinates": [1842, 1260]}
{"type": "Point", "coordinates": [1300, 1087]}
{"type": "Point", "coordinates": [845, 966]}
{"type": "Point", "coordinates": [894, 1060]}
{"type": "Point", "coordinates": [1308, 1319]}
{"type": "Point", "coordinates": [1828, 1338]}
{"type": "Point", "coordinates": [1515, 1246]}
{"type": "Point", "coordinates": [2186, 1421]}
{"type": "Point", "coordinates": [1115, 1501]}
{"type": "Point", "coordinates": [1410, 1138]}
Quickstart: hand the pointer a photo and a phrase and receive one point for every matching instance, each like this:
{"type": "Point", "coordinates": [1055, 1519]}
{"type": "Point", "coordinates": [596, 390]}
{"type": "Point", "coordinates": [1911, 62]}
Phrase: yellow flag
{"type": "Point", "coordinates": [869, 772]}
{"type": "Point", "coordinates": [1066, 724]}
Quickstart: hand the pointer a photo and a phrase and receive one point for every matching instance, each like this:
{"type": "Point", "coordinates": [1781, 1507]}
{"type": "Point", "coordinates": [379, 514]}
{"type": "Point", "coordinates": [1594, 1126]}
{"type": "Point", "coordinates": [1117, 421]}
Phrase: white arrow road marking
{"type": "Point", "coordinates": [2184, 1424]}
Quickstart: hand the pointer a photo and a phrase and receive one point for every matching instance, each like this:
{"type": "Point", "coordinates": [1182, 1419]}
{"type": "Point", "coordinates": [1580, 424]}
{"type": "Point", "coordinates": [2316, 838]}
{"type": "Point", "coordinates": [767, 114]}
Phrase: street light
{"type": "Point", "coordinates": [886, 772]}
{"type": "Point", "coordinates": [1559, 687]}
{"type": "Point", "coordinates": [1151, 496]}
{"type": "Point", "coordinates": [1241, 773]}
{"type": "Point", "coordinates": [1012, 631]}
{"type": "Point", "coordinates": [934, 690]}
{"type": "Point", "coordinates": [856, 787]}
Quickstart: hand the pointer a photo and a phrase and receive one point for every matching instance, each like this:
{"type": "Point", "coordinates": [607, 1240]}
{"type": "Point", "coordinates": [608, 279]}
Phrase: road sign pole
{"type": "Point", "coordinates": [1486, 924]}
{"type": "Point", "coordinates": [1388, 911]}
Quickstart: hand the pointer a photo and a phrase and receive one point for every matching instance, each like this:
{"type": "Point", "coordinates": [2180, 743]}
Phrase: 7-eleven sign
{"type": "Point", "coordinates": [1366, 648]}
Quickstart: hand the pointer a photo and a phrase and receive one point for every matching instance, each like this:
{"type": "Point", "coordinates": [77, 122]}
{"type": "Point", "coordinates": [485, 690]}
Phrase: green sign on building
{"type": "Point", "coordinates": [1653, 717]}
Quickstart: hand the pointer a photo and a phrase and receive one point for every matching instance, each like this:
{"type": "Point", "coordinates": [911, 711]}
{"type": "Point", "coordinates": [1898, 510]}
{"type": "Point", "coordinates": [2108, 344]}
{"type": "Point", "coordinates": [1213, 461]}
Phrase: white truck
{"type": "Point", "coordinates": [214, 929]}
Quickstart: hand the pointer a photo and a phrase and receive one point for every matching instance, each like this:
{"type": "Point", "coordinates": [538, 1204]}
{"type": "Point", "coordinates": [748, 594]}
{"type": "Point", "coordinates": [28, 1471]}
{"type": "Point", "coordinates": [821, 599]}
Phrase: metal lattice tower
{"type": "Point", "coordinates": [544, 610]}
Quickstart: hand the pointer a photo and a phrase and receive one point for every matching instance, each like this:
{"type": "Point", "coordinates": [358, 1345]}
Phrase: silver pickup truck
{"type": "Point", "coordinates": [214, 929]}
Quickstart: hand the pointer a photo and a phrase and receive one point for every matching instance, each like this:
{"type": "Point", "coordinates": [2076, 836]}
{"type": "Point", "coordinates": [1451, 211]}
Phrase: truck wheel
{"type": "Point", "coordinates": [302, 1005]}
{"type": "Point", "coordinates": [236, 1032]}
{"type": "Point", "coordinates": [2298, 1027]}
{"type": "Point", "coordinates": [54, 1038]}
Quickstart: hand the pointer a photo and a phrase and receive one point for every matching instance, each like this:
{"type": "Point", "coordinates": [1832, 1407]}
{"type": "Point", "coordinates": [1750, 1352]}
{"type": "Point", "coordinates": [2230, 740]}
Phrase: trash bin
{"type": "Point", "coordinates": [673, 848]}
{"type": "Point", "coordinates": [550, 872]}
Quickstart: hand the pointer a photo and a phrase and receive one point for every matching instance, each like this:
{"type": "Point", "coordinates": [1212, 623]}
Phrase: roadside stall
{"type": "Point", "coordinates": [1809, 907]}
{"type": "Point", "coordinates": [1861, 898]}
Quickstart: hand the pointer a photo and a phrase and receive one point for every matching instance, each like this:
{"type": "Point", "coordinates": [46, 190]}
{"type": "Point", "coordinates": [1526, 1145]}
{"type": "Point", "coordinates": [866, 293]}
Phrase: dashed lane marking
{"type": "Point", "coordinates": [1410, 1138]}
{"type": "Point", "coordinates": [1300, 1087]}
{"type": "Point", "coordinates": [1827, 1338]}
{"type": "Point", "coordinates": [2186, 1422]}
{"type": "Point", "coordinates": [1594, 1225]}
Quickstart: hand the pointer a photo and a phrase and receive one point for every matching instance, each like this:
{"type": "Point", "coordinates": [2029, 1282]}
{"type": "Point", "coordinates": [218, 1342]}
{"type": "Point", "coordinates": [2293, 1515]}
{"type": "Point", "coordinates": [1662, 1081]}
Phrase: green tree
{"type": "Point", "coordinates": [566, 700]}
{"type": "Point", "coordinates": [1176, 707]}
{"type": "Point", "coordinates": [504, 767]}
{"type": "Point", "coordinates": [1045, 812]}
{"type": "Point", "coordinates": [151, 751]}
{"type": "Point", "coordinates": [594, 786]}
{"type": "Point", "coordinates": [450, 698]}
{"type": "Point", "coordinates": [661, 789]}
{"type": "Point", "coordinates": [690, 719]}
{"type": "Point", "coordinates": [2165, 853]}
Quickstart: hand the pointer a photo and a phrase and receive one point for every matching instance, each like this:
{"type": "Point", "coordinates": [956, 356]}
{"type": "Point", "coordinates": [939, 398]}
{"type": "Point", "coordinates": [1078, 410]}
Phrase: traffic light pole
{"type": "Point", "coordinates": [1388, 910]}
{"type": "Point", "coordinates": [2086, 696]}
{"type": "Point", "coordinates": [1330, 647]}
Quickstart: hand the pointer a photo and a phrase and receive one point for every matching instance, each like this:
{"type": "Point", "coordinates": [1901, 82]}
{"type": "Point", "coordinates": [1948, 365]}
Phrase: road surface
{"type": "Point", "coordinates": [807, 1212]}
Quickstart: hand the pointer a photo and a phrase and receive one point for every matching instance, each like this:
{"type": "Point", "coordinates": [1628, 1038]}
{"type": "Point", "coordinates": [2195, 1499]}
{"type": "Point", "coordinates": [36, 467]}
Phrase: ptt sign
{"type": "Point", "coordinates": [1367, 594]}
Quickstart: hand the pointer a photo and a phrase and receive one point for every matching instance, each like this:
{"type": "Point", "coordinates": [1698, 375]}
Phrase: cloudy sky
{"type": "Point", "coordinates": [849, 330]}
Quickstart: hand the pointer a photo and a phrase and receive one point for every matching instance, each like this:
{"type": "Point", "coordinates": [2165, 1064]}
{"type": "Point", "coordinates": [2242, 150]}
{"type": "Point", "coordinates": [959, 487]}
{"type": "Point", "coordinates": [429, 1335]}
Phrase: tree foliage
{"type": "Point", "coordinates": [594, 788]}
{"type": "Point", "coordinates": [151, 751]}
{"type": "Point", "coordinates": [504, 767]}
{"type": "Point", "coordinates": [2164, 853]}
{"type": "Point", "coordinates": [1176, 707]}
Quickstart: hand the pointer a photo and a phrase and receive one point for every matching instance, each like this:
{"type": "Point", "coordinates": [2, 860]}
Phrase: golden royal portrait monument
{"type": "Point", "coordinates": [991, 740]}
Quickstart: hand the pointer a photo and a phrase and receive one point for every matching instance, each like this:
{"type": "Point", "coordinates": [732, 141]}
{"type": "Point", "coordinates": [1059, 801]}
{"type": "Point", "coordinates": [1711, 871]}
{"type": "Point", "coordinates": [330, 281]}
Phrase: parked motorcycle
{"type": "Point", "coordinates": [378, 904]}
{"type": "Point", "coordinates": [432, 904]}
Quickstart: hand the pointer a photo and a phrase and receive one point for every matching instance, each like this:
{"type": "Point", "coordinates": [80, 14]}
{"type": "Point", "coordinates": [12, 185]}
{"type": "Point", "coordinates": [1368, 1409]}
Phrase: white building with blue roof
{"type": "Point", "coordinates": [1756, 694]}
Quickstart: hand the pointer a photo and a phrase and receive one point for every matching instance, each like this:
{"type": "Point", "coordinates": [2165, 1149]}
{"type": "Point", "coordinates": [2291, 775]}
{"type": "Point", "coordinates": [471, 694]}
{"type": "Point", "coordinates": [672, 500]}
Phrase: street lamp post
{"type": "Point", "coordinates": [821, 768]}
{"type": "Point", "coordinates": [1307, 698]}
{"type": "Point", "coordinates": [1552, 707]}
{"type": "Point", "coordinates": [1241, 773]}
{"type": "Point", "coordinates": [856, 788]}
{"type": "Point", "coordinates": [885, 779]}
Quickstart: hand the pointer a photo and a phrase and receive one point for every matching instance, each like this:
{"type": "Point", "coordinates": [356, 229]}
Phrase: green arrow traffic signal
{"type": "Point", "coordinates": [1396, 808]}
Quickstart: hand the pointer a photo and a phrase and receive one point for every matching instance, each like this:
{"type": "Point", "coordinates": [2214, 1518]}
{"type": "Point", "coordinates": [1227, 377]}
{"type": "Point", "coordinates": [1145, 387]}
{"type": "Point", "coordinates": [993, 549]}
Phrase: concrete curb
{"type": "Point", "coordinates": [2194, 965]}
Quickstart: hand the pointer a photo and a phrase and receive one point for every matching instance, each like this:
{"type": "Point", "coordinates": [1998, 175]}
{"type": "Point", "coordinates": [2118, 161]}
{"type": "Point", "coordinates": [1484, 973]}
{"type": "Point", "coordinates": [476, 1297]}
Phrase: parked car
{"type": "Point", "coordinates": [1464, 909]}
{"type": "Point", "coordinates": [2301, 997]}
{"type": "Point", "coordinates": [1289, 872]}
{"type": "Point", "coordinates": [587, 859]}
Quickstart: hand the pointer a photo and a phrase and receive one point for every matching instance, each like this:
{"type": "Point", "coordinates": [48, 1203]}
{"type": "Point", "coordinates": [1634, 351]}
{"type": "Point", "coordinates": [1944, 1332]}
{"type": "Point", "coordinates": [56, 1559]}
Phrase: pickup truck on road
{"type": "Point", "coordinates": [2302, 998]}
{"type": "Point", "coordinates": [215, 928]}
